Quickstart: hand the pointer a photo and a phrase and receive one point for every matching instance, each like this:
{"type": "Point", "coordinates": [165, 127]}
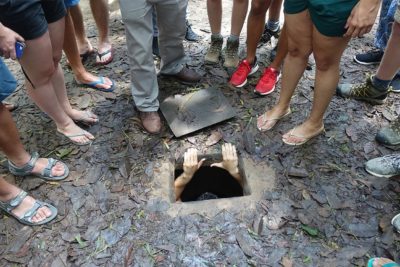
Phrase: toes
{"type": "Point", "coordinates": [89, 136]}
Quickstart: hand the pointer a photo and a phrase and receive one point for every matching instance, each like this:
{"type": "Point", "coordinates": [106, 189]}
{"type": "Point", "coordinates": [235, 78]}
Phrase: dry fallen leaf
{"type": "Point", "coordinates": [214, 138]}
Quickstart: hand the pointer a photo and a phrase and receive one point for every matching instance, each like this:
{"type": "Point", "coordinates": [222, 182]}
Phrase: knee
{"type": "Point", "coordinates": [298, 52]}
{"type": "Point", "coordinates": [323, 63]}
{"type": "Point", "coordinates": [258, 8]}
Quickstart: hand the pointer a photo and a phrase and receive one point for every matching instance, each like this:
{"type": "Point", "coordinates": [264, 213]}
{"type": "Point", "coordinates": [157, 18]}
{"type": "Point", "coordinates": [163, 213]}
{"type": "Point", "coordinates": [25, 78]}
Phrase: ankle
{"type": "Point", "coordinates": [20, 160]}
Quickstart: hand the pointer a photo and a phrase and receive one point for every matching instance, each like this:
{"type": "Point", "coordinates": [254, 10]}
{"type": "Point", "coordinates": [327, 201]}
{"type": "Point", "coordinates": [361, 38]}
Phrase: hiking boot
{"type": "Point", "coordinates": [231, 59]}
{"type": "Point", "coordinates": [268, 34]}
{"type": "Point", "coordinates": [363, 91]}
{"type": "Point", "coordinates": [239, 77]}
{"type": "Point", "coordinates": [214, 52]}
{"type": "Point", "coordinates": [386, 166]}
{"type": "Point", "coordinates": [266, 84]}
{"type": "Point", "coordinates": [186, 76]}
{"type": "Point", "coordinates": [389, 136]}
{"type": "Point", "coordinates": [151, 121]}
{"type": "Point", "coordinates": [190, 35]}
{"type": "Point", "coordinates": [395, 84]}
{"type": "Point", "coordinates": [369, 58]}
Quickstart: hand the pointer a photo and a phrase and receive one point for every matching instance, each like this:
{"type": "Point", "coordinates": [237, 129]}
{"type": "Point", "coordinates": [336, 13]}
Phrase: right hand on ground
{"type": "Point", "coordinates": [229, 159]}
{"type": "Point", "coordinates": [190, 163]}
{"type": "Point", "coordinates": [8, 38]}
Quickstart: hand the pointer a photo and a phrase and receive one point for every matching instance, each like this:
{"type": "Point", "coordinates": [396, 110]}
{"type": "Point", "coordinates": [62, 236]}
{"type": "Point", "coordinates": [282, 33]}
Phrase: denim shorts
{"type": "Point", "coordinates": [7, 81]}
{"type": "Point", "coordinates": [71, 3]}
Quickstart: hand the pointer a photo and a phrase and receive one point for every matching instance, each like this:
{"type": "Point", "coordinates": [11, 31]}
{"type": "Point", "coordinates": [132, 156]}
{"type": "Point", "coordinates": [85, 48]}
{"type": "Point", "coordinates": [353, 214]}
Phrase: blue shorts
{"type": "Point", "coordinates": [7, 81]}
{"type": "Point", "coordinates": [70, 3]}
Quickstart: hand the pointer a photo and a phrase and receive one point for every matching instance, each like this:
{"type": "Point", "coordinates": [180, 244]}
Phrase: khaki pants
{"type": "Point", "coordinates": [137, 17]}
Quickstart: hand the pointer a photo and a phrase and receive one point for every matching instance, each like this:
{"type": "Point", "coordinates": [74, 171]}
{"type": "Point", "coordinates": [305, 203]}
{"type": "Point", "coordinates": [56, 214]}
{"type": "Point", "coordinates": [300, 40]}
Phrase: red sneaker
{"type": "Point", "coordinates": [239, 77]}
{"type": "Point", "coordinates": [266, 84]}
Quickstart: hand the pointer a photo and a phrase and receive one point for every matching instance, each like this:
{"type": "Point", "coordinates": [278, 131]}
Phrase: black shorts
{"type": "Point", "coordinates": [29, 18]}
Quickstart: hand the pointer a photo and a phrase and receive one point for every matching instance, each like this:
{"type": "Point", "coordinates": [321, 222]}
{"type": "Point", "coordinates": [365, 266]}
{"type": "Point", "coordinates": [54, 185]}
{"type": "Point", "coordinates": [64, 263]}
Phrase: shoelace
{"type": "Point", "coordinates": [215, 47]}
{"type": "Point", "coordinates": [267, 74]}
{"type": "Point", "coordinates": [232, 51]}
{"type": "Point", "coordinates": [242, 69]}
{"type": "Point", "coordinates": [361, 90]}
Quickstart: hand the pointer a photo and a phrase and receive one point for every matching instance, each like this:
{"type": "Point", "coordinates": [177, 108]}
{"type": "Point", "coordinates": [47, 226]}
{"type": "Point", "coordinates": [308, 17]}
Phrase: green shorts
{"type": "Point", "coordinates": [328, 16]}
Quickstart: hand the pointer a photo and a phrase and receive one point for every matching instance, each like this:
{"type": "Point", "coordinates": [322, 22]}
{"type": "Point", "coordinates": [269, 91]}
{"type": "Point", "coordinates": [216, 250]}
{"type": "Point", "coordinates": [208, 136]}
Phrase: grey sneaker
{"type": "Point", "coordinates": [390, 136]}
{"type": "Point", "coordinates": [363, 91]}
{"type": "Point", "coordinates": [395, 84]}
{"type": "Point", "coordinates": [214, 52]}
{"type": "Point", "coordinates": [396, 222]}
{"type": "Point", "coordinates": [231, 59]}
{"type": "Point", "coordinates": [386, 166]}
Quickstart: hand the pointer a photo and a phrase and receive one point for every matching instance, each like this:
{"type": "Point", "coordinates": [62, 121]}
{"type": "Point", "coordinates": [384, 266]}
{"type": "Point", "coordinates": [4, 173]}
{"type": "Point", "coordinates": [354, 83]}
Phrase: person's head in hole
{"type": "Point", "coordinates": [218, 180]}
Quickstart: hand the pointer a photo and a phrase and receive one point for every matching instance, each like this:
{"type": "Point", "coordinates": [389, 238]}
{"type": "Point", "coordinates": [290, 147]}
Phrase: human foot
{"type": "Point", "coordinates": [100, 83]}
{"type": "Point", "coordinates": [25, 208]}
{"type": "Point", "coordinates": [85, 47]}
{"type": "Point", "coordinates": [48, 169]}
{"type": "Point", "coordinates": [301, 134]}
{"type": "Point", "coordinates": [76, 134]}
{"type": "Point", "coordinates": [271, 117]}
{"type": "Point", "coordinates": [84, 116]}
{"type": "Point", "coordinates": [104, 54]}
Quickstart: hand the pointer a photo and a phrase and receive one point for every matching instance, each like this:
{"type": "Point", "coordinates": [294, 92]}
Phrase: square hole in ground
{"type": "Point", "coordinates": [212, 182]}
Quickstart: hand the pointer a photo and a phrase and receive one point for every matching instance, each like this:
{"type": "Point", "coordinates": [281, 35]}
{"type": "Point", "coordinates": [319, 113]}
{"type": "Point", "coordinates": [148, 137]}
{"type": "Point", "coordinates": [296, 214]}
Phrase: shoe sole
{"type": "Point", "coordinates": [306, 140]}
{"type": "Point", "coordinates": [251, 73]}
{"type": "Point", "coordinates": [392, 222]}
{"type": "Point", "coordinates": [371, 101]}
{"type": "Point", "coordinates": [379, 175]}
{"type": "Point", "coordinates": [271, 91]}
{"type": "Point", "coordinates": [365, 63]}
{"type": "Point", "coordinates": [392, 147]}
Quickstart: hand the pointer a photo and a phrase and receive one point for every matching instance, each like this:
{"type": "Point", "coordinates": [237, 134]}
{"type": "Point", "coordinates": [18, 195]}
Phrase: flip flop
{"type": "Point", "coordinates": [86, 55]}
{"type": "Point", "coordinates": [97, 82]}
{"type": "Point", "coordinates": [389, 264]}
{"type": "Point", "coordinates": [69, 136]}
{"type": "Point", "coordinates": [26, 169]}
{"type": "Point", "coordinates": [276, 120]}
{"type": "Point", "coordinates": [100, 55]}
{"type": "Point", "coordinates": [305, 139]}
{"type": "Point", "coordinates": [26, 219]}
{"type": "Point", "coordinates": [86, 118]}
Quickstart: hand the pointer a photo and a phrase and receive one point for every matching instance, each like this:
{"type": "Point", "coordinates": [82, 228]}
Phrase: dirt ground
{"type": "Point", "coordinates": [325, 210]}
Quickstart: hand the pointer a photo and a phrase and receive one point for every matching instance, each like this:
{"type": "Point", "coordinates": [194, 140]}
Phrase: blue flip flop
{"type": "Point", "coordinates": [97, 82]}
{"type": "Point", "coordinates": [389, 264]}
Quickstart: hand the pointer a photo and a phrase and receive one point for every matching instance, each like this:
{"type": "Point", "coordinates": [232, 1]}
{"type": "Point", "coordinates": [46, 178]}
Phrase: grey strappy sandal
{"type": "Point", "coordinates": [46, 173]}
{"type": "Point", "coordinates": [8, 206]}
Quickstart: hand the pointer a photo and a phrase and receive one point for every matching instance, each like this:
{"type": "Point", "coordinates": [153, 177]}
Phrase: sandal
{"type": "Point", "coordinates": [303, 138]}
{"type": "Point", "coordinates": [96, 83]}
{"type": "Point", "coordinates": [45, 174]}
{"type": "Point", "coordinates": [389, 264]}
{"type": "Point", "coordinates": [87, 118]}
{"type": "Point", "coordinates": [69, 136]}
{"type": "Point", "coordinates": [10, 107]}
{"type": "Point", "coordinates": [274, 120]}
{"type": "Point", "coordinates": [8, 206]}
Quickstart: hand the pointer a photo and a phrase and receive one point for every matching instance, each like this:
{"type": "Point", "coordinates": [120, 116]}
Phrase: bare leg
{"type": "Point", "coordinates": [12, 147]}
{"type": "Point", "coordinates": [9, 191]}
{"type": "Point", "coordinates": [214, 11]}
{"type": "Point", "coordinates": [255, 26]}
{"type": "Point", "coordinates": [42, 76]}
{"type": "Point", "coordinates": [327, 53]}
{"type": "Point", "coordinates": [274, 12]}
{"type": "Point", "coordinates": [72, 53]}
{"type": "Point", "coordinates": [390, 63]}
{"type": "Point", "coordinates": [84, 44]}
{"type": "Point", "coordinates": [239, 11]}
{"type": "Point", "coordinates": [101, 17]}
{"type": "Point", "coordinates": [282, 50]}
{"type": "Point", "coordinates": [299, 36]}
{"type": "Point", "coordinates": [56, 31]}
